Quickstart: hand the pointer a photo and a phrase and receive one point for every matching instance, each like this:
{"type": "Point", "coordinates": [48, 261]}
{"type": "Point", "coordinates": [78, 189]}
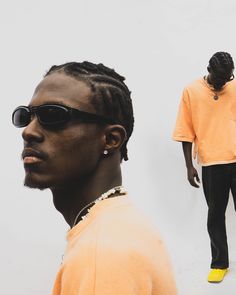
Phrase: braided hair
{"type": "Point", "coordinates": [110, 95]}
{"type": "Point", "coordinates": [221, 59]}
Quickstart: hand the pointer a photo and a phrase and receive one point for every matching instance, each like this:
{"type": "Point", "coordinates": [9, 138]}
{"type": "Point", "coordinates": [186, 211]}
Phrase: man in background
{"type": "Point", "coordinates": [207, 118]}
{"type": "Point", "coordinates": [77, 126]}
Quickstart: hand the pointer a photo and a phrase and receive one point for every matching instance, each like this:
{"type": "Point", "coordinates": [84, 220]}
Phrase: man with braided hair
{"type": "Point", "coordinates": [77, 126]}
{"type": "Point", "coordinates": [207, 118]}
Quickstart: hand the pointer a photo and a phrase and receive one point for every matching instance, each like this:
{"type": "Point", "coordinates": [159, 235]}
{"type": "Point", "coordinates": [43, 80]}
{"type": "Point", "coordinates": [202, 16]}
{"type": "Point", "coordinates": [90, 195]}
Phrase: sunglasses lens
{"type": "Point", "coordinates": [21, 117]}
{"type": "Point", "coordinates": [52, 115]}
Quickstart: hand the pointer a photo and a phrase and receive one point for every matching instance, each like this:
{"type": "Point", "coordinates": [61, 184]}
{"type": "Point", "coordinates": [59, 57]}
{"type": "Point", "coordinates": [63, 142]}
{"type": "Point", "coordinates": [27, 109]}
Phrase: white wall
{"type": "Point", "coordinates": [159, 46]}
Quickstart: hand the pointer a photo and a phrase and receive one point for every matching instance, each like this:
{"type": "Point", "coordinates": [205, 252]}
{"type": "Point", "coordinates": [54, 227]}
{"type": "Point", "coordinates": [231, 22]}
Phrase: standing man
{"type": "Point", "coordinates": [207, 118]}
{"type": "Point", "coordinates": [77, 126]}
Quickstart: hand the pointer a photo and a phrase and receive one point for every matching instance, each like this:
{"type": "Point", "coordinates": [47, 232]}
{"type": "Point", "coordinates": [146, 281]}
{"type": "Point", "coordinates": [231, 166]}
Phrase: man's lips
{"type": "Point", "coordinates": [32, 156]}
{"type": "Point", "coordinates": [31, 160]}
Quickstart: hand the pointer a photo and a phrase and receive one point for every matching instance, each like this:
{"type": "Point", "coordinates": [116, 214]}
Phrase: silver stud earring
{"type": "Point", "coordinates": [105, 152]}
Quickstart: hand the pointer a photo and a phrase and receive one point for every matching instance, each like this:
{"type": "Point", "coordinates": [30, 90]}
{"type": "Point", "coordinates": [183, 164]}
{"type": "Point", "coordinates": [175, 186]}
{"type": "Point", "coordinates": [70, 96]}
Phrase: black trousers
{"type": "Point", "coordinates": [217, 182]}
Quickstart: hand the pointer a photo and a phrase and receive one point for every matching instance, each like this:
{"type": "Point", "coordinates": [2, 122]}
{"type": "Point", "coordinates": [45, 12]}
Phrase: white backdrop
{"type": "Point", "coordinates": [159, 46]}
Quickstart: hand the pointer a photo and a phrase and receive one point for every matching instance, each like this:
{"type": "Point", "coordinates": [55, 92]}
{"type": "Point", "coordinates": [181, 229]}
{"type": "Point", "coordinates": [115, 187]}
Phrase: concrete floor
{"type": "Point", "coordinates": [191, 261]}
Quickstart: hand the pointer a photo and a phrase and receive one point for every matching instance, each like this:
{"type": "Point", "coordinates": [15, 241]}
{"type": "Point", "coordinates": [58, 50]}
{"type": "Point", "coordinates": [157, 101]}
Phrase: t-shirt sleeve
{"type": "Point", "coordinates": [184, 130]}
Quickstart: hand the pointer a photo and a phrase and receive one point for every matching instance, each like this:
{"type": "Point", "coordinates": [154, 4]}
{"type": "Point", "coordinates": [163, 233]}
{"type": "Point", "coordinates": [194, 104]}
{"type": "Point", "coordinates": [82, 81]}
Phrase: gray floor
{"type": "Point", "coordinates": [191, 263]}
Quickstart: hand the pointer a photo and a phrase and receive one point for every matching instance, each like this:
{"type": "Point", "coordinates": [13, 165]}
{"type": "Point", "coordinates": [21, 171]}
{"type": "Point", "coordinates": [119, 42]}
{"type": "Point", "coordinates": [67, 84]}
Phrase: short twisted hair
{"type": "Point", "coordinates": [110, 95]}
{"type": "Point", "coordinates": [221, 59]}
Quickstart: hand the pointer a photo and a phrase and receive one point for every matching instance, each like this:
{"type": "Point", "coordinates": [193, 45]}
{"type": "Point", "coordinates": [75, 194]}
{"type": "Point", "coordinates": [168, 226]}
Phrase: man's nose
{"type": "Point", "coordinates": [33, 131]}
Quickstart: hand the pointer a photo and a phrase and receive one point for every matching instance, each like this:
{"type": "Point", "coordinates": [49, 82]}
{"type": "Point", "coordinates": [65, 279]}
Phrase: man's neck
{"type": "Point", "coordinates": [71, 198]}
{"type": "Point", "coordinates": [215, 86]}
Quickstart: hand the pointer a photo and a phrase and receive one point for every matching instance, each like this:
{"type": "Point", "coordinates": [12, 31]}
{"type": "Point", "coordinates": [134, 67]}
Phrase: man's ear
{"type": "Point", "coordinates": [114, 137]}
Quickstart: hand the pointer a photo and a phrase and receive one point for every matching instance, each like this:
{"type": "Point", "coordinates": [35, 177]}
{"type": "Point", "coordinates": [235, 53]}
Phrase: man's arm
{"type": "Point", "coordinates": [193, 177]}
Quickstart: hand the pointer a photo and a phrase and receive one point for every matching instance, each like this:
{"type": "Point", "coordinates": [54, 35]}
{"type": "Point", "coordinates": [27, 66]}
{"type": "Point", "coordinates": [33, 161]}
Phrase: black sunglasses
{"type": "Point", "coordinates": [54, 115]}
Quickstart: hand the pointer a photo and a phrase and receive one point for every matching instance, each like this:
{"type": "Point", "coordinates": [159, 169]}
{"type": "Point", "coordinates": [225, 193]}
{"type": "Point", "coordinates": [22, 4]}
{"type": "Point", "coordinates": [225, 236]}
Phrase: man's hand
{"type": "Point", "coordinates": [193, 177]}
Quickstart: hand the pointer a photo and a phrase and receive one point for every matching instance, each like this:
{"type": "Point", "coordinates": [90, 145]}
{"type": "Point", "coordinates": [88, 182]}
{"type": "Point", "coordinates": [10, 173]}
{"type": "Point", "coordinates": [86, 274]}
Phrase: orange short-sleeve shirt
{"type": "Point", "coordinates": [114, 251]}
{"type": "Point", "coordinates": [209, 123]}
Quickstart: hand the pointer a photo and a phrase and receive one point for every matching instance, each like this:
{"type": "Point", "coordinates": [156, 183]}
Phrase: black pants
{"type": "Point", "coordinates": [217, 181]}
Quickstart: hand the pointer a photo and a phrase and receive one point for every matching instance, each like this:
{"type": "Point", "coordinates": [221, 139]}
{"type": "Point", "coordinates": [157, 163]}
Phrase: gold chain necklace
{"type": "Point", "coordinates": [215, 96]}
{"type": "Point", "coordinates": [115, 190]}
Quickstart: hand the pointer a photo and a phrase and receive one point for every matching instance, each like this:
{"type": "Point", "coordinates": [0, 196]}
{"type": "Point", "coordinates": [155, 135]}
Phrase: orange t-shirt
{"type": "Point", "coordinates": [209, 123]}
{"type": "Point", "coordinates": [114, 251]}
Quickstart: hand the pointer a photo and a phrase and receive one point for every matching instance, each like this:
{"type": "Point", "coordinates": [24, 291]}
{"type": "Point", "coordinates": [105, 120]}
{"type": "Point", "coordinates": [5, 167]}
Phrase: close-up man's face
{"type": "Point", "coordinates": [68, 152]}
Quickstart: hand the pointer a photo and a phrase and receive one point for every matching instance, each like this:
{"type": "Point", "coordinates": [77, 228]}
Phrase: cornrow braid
{"type": "Point", "coordinates": [221, 59]}
{"type": "Point", "coordinates": [110, 95]}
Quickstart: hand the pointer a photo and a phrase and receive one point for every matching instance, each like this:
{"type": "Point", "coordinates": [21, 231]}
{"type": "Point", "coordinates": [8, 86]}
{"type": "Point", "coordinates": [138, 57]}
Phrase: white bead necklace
{"type": "Point", "coordinates": [115, 190]}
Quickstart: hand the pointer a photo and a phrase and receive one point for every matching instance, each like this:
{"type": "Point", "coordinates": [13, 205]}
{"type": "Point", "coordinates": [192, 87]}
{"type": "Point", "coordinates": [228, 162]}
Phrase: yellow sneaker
{"type": "Point", "coordinates": [216, 275]}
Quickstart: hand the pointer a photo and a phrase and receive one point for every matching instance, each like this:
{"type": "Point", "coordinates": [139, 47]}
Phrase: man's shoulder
{"type": "Point", "coordinates": [120, 245]}
{"type": "Point", "coordinates": [232, 84]}
{"type": "Point", "coordinates": [194, 90]}
{"type": "Point", "coordinates": [120, 227]}
{"type": "Point", "coordinates": [129, 225]}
